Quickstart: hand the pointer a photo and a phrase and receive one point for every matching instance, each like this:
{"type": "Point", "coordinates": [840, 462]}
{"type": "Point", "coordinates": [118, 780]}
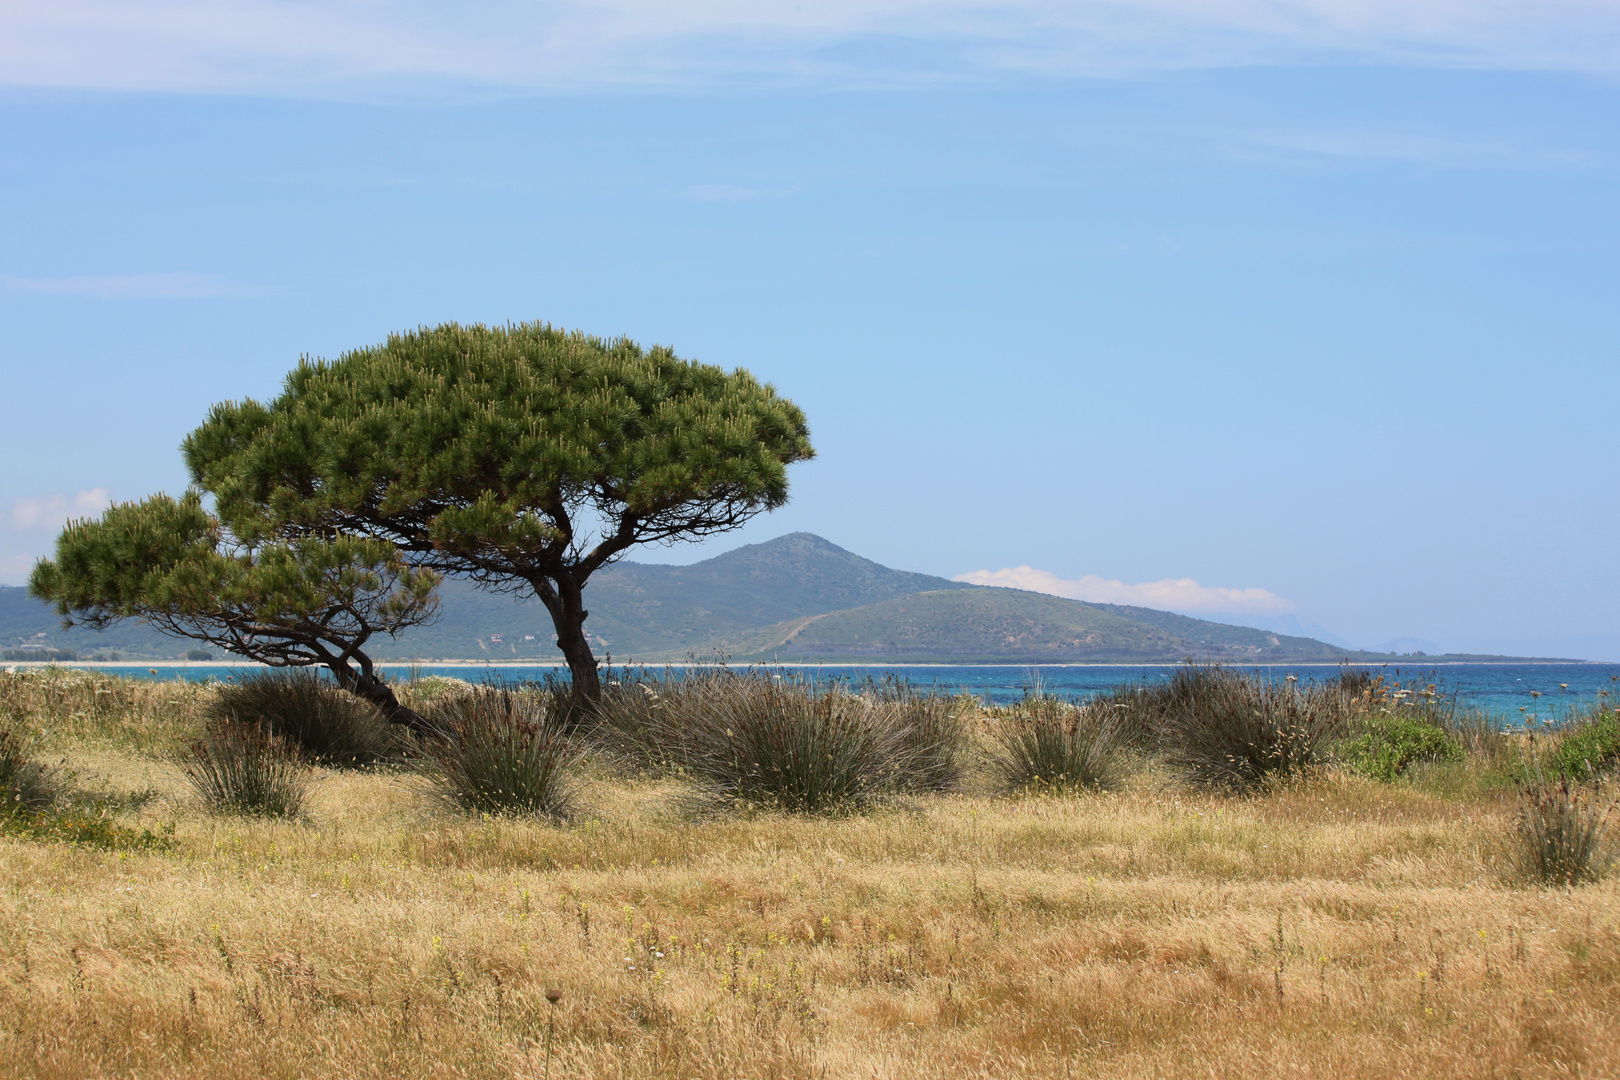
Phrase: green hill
{"type": "Point", "coordinates": [797, 598]}
{"type": "Point", "coordinates": [1007, 626]}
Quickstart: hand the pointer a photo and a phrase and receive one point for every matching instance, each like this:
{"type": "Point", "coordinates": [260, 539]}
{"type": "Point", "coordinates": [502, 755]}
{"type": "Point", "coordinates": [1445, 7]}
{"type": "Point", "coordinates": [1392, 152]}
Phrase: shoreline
{"type": "Point", "coordinates": [1403, 661]}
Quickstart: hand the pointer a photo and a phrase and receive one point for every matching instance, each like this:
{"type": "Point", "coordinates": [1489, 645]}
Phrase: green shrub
{"type": "Point", "coordinates": [1221, 729]}
{"type": "Point", "coordinates": [328, 724]}
{"type": "Point", "coordinates": [1586, 749]}
{"type": "Point", "coordinates": [241, 769]}
{"type": "Point", "coordinates": [1388, 744]}
{"type": "Point", "coordinates": [26, 785]}
{"type": "Point", "coordinates": [1050, 746]}
{"type": "Point", "coordinates": [499, 752]}
{"type": "Point", "coordinates": [1562, 835]}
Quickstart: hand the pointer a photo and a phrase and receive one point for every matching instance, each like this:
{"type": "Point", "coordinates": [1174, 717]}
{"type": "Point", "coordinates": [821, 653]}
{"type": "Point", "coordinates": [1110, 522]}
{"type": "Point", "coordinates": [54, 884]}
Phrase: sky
{"type": "Point", "coordinates": [1291, 313]}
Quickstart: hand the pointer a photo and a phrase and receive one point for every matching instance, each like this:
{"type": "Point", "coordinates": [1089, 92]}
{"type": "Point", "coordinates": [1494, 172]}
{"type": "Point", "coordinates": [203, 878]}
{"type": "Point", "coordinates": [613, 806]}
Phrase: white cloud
{"type": "Point", "coordinates": [48, 513]}
{"type": "Point", "coordinates": [1182, 595]}
{"type": "Point", "coordinates": [129, 287]}
{"type": "Point", "coordinates": [344, 47]}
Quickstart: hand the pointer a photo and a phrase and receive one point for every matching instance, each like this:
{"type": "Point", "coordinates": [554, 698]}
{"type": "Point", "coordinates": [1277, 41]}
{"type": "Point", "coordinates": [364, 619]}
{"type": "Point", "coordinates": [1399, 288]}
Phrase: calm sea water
{"type": "Point", "coordinates": [1500, 689]}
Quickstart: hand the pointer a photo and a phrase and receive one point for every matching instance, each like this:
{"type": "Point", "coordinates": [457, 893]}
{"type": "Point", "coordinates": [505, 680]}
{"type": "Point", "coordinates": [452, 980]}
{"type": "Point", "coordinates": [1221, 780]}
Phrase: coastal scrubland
{"type": "Point", "coordinates": [1360, 900]}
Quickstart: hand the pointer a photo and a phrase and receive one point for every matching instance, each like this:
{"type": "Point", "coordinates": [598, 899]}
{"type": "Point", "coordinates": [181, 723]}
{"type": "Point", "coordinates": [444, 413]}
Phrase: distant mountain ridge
{"type": "Point", "coordinates": [798, 598]}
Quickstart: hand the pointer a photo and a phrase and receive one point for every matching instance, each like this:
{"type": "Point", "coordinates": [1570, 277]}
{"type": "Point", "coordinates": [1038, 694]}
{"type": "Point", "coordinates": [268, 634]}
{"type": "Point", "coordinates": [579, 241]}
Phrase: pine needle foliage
{"type": "Point", "coordinates": [273, 595]}
{"type": "Point", "coordinates": [502, 752]}
{"type": "Point", "coordinates": [523, 457]}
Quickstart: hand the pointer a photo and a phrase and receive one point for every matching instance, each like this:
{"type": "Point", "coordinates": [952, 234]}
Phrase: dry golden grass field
{"type": "Point", "coordinates": [1337, 928]}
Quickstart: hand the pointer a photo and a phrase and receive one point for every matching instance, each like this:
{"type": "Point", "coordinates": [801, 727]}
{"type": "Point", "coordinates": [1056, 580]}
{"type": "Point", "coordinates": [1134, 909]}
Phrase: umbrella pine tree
{"type": "Point", "coordinates": [522, 457]}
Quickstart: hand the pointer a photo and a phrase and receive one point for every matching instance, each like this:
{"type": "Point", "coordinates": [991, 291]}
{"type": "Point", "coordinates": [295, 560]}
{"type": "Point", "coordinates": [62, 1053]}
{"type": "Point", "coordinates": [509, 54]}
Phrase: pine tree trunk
{"type": "Point", "coordinates": [568, 614]}
{"type": "Point", "coordinates": [576, 649]}
{"type": "Point", "coordinates": [368, 687]}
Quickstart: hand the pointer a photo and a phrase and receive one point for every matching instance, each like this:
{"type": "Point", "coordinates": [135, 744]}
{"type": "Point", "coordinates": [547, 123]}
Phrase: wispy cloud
{"type": "Point", "coordinates": [305, 47]}
{"type": "Point", "coordinates": [130, 286]}
{"type": "Point", "coordinates": [1183, 595]}
{"type": "Point", "coordinates": [48, 513]}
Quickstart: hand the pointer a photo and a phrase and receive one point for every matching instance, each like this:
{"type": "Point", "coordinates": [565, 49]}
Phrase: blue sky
{"type": "Point", "coordinates": [1298, 311]}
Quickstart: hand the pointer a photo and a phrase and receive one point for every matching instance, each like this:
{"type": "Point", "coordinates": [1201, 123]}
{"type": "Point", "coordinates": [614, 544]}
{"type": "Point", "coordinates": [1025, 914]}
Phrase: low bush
{"type": "Point", "coordinates": [1587, 748]}
{"type": "Point", "coordinates": [26, 784]}
{"type": "Point", "coordinates": [1221, 729]}
{"type": "Point", "coordinates": [502, 752]}
{"type": "Point", "coordinates": [1562, 835]}
{"type": "Point", "coordinates": [242, 769]}
{"type": "Point", "coordinates": [1049, 746]}
{"type": "Point", "coordinates": [328, 724]}
{"type": "Point", "coordinates": [1388, 744]}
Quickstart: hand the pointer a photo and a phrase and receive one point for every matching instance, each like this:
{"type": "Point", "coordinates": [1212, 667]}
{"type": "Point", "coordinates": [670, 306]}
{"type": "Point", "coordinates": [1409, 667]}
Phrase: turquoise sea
{"type": "Point", "coordinates": [1500, 689]}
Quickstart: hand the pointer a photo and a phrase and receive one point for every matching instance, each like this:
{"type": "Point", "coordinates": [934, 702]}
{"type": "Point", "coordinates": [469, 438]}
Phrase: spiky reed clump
{"type": "Point", "coordinates": [1562, 834]}
{"type": "Point", "coordinates": [327, 724]}
{"type": "Point", "coordinates": [629, 718]}
{"type": "Point", "coordinates": [241, 769]}
{"type": "Point", "coordinates": [499, 751]}
{"type": "Point", "coordinates": [937, 735]}
{"type": "Point", "coordinates": [1227, 731]}
{"type": "Point", "coordinates": [1050, 746]}
{"type": "Point", "coordinates": [25, 783]}
{"type": "Point", "coordinates": [792, 746]}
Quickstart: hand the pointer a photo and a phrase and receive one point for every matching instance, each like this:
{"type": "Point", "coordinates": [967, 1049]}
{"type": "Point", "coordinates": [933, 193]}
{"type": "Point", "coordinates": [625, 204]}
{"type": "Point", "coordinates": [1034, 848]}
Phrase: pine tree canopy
{"type": "Point", "coordinates": [517, 456]}
{"type": "Point", "coordinates": [300, 601]}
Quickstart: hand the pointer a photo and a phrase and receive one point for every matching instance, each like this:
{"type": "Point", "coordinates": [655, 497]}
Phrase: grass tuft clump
{"type": "Point", "coordinates": [1561, 835]}
{"type": "Point", "coordinates": [780, 744]}
{"type": "Point", "coordinates": [1226, 731]}
{"type": "Point", "coordinates": [241, 769]}
{"type": "Point", "coordinates": [937, 734]}
{"type": "Point", "coordinates": [1050, 746]}
{"type": "Point", "coordinates": [502, 752]}
{"type": "Point", "coordinates": [26, 784]}
{"type": "Point", "coordinates": [327, 724]}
